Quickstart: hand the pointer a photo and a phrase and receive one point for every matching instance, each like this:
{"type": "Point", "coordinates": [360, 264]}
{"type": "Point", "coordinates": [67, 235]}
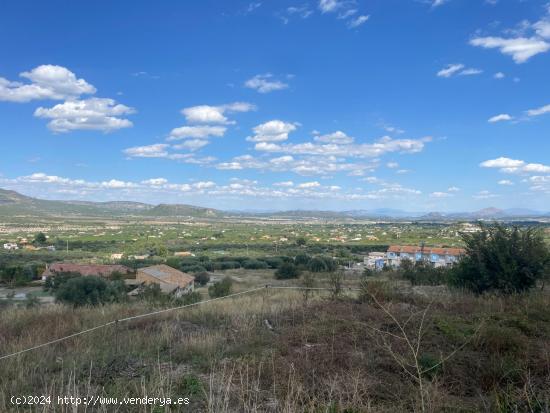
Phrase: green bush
{"type": "Point", "coordinates": [287, 271]}
{"type": "Point", "coordinates": [423, 273]}
{"type": "Point", "coordinates": [302, 260]}
{"type": "Point", "coordinates": [226, 265]}
{"type": "Point", "coordinates": [507, 260]}
{"type": "Point", "coordinates": [15, 276]}
{"type": "Point", "coordinates": [55, 281]}
{"type": "Point", "coordinates": [189, 298]}
{"type": "Point", "coordinates": [273, 262]}
{"type": "Point", "coordinates": [221, 289]}
{"type": "Point", "coordinates": [322, 264]}
{"type": "Point", "coordinates": [152, 293]}
{"type": "Point", "coordinates": [90, 290]}
{"type": "Point", "coordinates": [255, 265]}
{"type": "Point", "coordinates": [193, 268]}
{"type": "Point", "coordinates": [40, 239]}
{"type": "Point", "coordinates": [202, 278]}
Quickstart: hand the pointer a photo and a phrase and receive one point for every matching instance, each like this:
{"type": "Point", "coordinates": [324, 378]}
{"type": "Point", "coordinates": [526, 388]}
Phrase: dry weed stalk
{"type": "Point", "coordinates": [410, 359]}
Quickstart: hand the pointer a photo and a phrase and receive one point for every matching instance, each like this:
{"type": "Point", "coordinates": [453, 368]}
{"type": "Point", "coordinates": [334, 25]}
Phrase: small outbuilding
{"type": "Point", "coordinates": [169, 279]}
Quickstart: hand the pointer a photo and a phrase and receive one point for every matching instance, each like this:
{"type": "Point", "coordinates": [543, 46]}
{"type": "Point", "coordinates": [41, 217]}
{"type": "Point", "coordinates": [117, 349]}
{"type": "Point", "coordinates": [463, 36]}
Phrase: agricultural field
{"type": "Point", "coordinates": [321, 339]}
{"type": "Point", "coordinates": [228, 237]}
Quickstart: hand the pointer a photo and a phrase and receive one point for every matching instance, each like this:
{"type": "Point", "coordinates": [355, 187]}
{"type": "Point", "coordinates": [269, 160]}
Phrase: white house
{"type": "Point", "coordinates": [11, 246]}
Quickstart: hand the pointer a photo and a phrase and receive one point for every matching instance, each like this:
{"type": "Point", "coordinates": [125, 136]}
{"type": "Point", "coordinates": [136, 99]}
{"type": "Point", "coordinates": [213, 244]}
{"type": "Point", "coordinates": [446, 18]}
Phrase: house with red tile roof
{"type": "Point", "coordinates": [170, 280]}
{"type": "Point", "coordinates": [98, 270]}
{"type": "Point", "coordinates": [438, 257]}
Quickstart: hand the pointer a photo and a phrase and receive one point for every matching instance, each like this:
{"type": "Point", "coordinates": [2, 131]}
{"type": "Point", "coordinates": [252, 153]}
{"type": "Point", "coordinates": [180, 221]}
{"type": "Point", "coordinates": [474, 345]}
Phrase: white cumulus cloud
{"type": "Point", "coordinates": [47, 82]}
{"type": "Point", "coordinates": [500, 118]}
{"type": "Point", "coordinates": [520, 48]}
{"type": "Point", "coordinates": [215, 114]}
{"type": "Point", "coordinates": [157, 150]}
{"type": "Point", "coordinates": [90, 114]}
{"type": "Point", "coordinates": [197, 132]}
{"type": "Point", "coordinates": [272, 131]}
{"type": "Point", "coordinates": [265, 83]}
{"type": "Point", "coordinates": [539, 111]}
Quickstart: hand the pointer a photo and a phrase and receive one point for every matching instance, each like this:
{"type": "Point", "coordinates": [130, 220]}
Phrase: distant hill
{"type": "Point", "coordinates": [15, 204]}
{"type": "Point", "coordinates": [179, 210]}
{"type": "Point", "coordinates": [486, 214]}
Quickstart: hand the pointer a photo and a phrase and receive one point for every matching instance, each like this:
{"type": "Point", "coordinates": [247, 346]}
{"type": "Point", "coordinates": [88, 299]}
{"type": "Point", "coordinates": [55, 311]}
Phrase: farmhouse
{"type": "Point", "coordinates": [438, 257]}
{"type": "Point", "coordinates": [11, 246]}
{"type": "Point", "coordinates": [85, 269]}
{"type": "Point", "coordinates": [169, 279]}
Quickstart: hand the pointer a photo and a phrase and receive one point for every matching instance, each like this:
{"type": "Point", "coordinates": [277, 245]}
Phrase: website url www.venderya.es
{"type": "Point", "coordinates": [97, 401]}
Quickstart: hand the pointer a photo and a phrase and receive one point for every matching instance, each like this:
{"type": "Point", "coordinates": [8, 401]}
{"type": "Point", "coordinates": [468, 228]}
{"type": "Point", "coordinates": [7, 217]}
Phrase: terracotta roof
{"type": "Point", "coordinates": [427, 250]}
{"type": "Point", "coordinates": [85, 269]}
{"type": "Point", "coordinates": [167, 275]}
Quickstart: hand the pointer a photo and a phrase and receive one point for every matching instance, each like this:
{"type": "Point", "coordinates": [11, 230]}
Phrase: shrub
{"type": "Point", "coordinates": [40, 239]}
{"type": "Point", "coordinates": [193, 268]}
{"type": "Point", "coordinates": [227, 265]}
{"type": "Point", "coordinates": [81, 291]}
{"type": "Point", "coordinates": [507, 260]}
{"type": "Point", "coordinates": [322, 264]}
{"type": "Point", "coordinates": [302, 260]}
{"type": "Point", "coordinates": [189, 298]}
{"type": "Point", "coordinates": [55, 281]}
{"type": "Point", "coordinates": [287, 271]}
{"type": "Point", "coordinates": [273, 262]}
{"type": "Point", "coordinates": [202, 278]}
{"type": "Point", "coordinates": [255, 265]}
{"type": "Point", "coordinates": [373, 288]}
{"type": "Point", "coordinates": [422, 273]}
{"type": "Point", "coordinates": [301, 241]}
{"type": "Point", "coordinates": [151, 293]}
{"type": "Point", "coordinates": [15, 276]}
{"type": "Point", "coordinates": [221, 289]}
{"type": "Point", "coordinates": [335, 281]}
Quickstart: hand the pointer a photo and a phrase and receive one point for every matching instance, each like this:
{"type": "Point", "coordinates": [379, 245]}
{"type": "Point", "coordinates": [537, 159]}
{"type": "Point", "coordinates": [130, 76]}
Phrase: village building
{"type": "Point", "coordinates": [170, 280]}
{"type": "Point", "coordinates": [375, 260]}
{"type": "Point", "coordinates": [10, 246]}
{"type": "Point", "coordinates": [85, 270]}
{"type": "Point", "coordinates": [183, 254]}
{"type": "Point", "coordinates": [438, 257]}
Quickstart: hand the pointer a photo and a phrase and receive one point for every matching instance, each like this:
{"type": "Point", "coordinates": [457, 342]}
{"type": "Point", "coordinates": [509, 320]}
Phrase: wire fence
{"type": "Point", "coordinates": [165, 310]}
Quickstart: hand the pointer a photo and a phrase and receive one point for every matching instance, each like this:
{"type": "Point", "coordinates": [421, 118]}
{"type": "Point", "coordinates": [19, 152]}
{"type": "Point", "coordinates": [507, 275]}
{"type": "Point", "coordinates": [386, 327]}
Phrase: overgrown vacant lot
{"type": "Point", "coordinates": [344, 355]}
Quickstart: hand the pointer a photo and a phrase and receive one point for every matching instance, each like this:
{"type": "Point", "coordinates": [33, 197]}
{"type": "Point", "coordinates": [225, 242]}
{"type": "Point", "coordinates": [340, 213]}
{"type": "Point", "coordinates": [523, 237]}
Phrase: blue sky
{"type": "Point", "coordinates": [323, 104]}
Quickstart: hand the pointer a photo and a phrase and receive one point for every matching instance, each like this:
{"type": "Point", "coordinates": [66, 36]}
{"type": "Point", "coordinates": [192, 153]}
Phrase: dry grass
{"type": "Point", "coordinates": [323, 356]}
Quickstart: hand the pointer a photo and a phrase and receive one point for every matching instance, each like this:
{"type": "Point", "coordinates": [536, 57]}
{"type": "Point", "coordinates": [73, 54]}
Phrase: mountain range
{"type": "Point", "coordinates": [15, 204]}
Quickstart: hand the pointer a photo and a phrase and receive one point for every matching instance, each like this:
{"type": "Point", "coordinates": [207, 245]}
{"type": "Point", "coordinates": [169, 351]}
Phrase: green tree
{"type": "Point", "coordinates": [507, 260]}
{"type": "Point", "coordinates": [81, 291]}
{"type": "Point", "coordinates": [15, 276]}
{"type": "Point", "coordinates": [221, 289]}
{"type": "Point", "coordinates": [322, 264]}
{"type": "Point", "coordinates": [301, 241]}
{"type": "Point", "coordinates": [287, 271]}
{"type": "Point", "coordinates": [202, 278]}
{"type": "Point", "coordinates": [302, 260]}
{"type": "Point", "coordinates": [317, 264]}
{"type": "Point", "coordinates": [40, 239]}
{"type": "Point", "coordinates": [255, 265]}
{"type": "Point", "coordinates": [53, 282]}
